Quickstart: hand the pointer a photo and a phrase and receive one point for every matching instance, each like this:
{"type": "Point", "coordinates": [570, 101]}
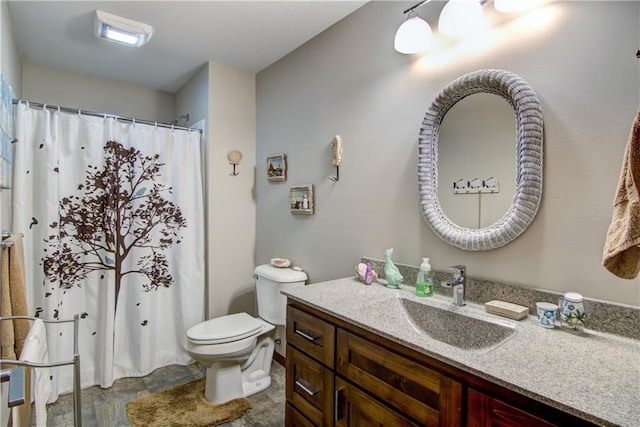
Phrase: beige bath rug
{"type": "Point", "coordinates": [184, 405]}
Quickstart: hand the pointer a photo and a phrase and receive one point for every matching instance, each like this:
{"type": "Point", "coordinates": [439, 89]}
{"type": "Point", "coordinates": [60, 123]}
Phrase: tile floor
{"type": "Point", "coordinates": [107, 407]}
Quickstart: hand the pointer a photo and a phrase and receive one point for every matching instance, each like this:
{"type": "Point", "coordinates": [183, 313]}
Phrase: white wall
{"type": "Point", "coordinates": [4, 388]}
{"type": "Point", "coordinates": [231, 199]}
{"type": "Point", "coordinates": [59, 87]}
{"type": "Point", "coordinates": [225, 98]}
{"type": "Point", "coordinates": [11, 67]}
{"type": "Point", "coordinates": [193, 99]}
{"type": "Point", "coordinates": [11, 63]}
{"type": "Point", "coordinates": [349, 81]}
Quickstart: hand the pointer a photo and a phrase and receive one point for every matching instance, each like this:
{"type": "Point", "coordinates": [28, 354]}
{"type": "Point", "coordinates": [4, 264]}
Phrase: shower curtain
{"type": "Point", "coordinates": [112, 216]}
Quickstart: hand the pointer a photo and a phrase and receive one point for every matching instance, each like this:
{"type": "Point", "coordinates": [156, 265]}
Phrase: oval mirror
{"type": "Point", "coordinates": [527, 140]}
{"type": "Point", "coordinates": [477, 149]}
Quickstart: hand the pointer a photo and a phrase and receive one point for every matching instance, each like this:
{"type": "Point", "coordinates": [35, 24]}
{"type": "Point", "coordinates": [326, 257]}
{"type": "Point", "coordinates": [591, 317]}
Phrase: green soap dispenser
{"type": "Point", "coordinates": [424, 282]}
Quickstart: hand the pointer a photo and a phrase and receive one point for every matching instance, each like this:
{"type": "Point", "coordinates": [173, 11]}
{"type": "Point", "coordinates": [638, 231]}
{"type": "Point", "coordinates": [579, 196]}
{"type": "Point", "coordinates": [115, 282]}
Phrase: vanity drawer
{"type": "Point", "coordinates": [309, 387]}
{"type": "Point", "coordinates": [311, 335]}
{"type": "Point", "coordinates": [486, 411]}
{"type": "Point", "coordinates": [293, 418]}
{"type": "Point", "coordinates": [356, 408]}
{"type": "Point", "coordinates": [422, 393]}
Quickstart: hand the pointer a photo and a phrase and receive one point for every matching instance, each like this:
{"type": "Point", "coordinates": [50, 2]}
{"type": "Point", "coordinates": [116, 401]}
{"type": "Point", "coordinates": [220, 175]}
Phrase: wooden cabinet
{"type": "Point", "coordinates": [309, 387]}
{"type": "Point", "coordinates": [415, 390]}
{"type": "Point", "coordinates": [335, 377]}
{"type": "Point", "coordinates": [311, 335]}
{"type": "Point", "coordinates": [339, 374]}
{"type": "Point", "coordinates": [294, 418]}
{"type": "Point", "coordinates": [486, 411]}
{"type": "Point", "coordinates": [354, 408]}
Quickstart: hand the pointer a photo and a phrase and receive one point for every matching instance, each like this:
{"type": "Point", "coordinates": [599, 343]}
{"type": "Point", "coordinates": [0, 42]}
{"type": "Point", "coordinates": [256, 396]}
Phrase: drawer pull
{"type": "Point", "coordinates": [307, 388]}
{"type": "Point", "coordinates": [307, 335]}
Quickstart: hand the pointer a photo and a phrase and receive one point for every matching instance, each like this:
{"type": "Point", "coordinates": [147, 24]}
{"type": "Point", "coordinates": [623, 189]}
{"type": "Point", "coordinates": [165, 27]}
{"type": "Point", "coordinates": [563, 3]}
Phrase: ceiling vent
{"type": "Point", "coordinates": [121, 30]}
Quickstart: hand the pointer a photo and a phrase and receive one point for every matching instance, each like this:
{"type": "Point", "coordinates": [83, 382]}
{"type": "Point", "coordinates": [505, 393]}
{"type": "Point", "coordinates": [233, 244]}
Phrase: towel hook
{"type": "Point", "coordinates": [336, 154]}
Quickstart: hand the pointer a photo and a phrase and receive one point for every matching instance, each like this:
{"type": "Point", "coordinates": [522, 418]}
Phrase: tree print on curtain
{"type": "Point", "coordinates": [118, 212]}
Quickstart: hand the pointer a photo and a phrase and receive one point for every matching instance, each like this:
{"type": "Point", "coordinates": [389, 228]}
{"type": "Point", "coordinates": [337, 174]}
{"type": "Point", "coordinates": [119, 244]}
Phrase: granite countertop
{"type": "Point", "coordinates": [593, 375]}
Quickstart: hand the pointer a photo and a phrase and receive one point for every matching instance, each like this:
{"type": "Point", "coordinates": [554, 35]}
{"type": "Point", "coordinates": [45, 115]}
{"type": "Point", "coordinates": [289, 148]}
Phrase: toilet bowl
{"type": "Point", "coordinates": [237, 349]}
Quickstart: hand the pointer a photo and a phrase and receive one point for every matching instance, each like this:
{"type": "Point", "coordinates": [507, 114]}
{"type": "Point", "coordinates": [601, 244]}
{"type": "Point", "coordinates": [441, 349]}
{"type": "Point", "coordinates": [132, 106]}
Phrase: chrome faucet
{"type": "Point", "coordinates": [458, 282]}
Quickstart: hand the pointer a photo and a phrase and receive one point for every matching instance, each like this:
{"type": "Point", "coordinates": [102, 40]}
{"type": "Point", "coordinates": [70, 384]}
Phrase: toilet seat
{"type": "Point", "coordinates": [225, 329]}
{"type": "Point", "coordinates": [234, 350]}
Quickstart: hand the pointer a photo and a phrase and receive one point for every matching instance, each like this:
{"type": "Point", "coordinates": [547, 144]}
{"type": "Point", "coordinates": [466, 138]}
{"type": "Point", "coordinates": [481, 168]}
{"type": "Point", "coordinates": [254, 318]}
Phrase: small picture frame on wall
{"type": "Point", "coordinates": [277, 167]}
{"type": "Point", "coordinates": [302, 199]}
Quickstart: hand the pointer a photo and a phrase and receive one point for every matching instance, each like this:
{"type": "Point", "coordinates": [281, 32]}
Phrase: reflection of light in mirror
{"type": "Point", "coordinates": [504, 30]}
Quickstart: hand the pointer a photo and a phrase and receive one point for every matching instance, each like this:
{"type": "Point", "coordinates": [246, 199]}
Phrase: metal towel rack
{"type": "Point", "coordinates": [15, 376]}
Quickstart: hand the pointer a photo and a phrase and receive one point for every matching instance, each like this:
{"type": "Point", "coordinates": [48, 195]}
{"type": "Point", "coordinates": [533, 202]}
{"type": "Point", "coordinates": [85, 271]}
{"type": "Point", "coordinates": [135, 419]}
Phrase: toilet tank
{"type": "Point", "coordinates": [270, 280]}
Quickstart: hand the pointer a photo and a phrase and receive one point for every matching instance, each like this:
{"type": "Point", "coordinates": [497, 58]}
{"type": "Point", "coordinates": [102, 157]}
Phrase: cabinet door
{"type": "Point", "coordinates": [355, 408]}
{"type": "Point", "coordinates": [485, 411]}
{"type": "Point", "coordinates": [293, 418]}
{"type": "Point", "coordinates": [422, 393]}
{"type": "Point", "coordinates": [313, 336]}
{"type": "Point", "coordinates": [309, 387]}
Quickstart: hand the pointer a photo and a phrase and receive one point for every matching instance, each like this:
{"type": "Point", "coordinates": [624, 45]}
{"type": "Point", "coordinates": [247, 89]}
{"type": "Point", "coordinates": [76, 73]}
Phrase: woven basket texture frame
{"type": "Point", "coordinates": [529, 128]}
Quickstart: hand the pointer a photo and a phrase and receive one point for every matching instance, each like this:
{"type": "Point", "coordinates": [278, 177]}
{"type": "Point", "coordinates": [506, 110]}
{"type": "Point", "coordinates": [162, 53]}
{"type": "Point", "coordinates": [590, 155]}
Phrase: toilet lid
{"type": "Point", "coordinates": [223, 329]}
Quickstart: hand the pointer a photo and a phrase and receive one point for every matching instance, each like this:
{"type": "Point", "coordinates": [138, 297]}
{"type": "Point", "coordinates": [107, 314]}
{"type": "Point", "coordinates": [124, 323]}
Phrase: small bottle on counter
{"type": "Point", "coordinates": [368, 275]}
{"type": "Point", "coordinates": [424, 282]}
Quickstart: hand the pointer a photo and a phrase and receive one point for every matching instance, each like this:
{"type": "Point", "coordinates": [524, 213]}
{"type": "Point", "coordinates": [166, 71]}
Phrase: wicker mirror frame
{"type": "Point", "coordinates": [529, 129]}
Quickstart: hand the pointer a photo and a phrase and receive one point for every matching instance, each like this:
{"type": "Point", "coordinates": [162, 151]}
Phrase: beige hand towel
{"type": "Point", "coordinates": [18, 290]}
{"type": "Point", "coordinates": [8, 339]}
{"type": "Point", "coordinates": [14, 298]}
{"type": "Point", "coordinates": [622, 251]}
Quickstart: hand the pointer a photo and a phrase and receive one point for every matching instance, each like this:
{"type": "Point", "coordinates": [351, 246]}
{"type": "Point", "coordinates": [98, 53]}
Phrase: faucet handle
{"type": "Point", "coordinates": [459, 273]}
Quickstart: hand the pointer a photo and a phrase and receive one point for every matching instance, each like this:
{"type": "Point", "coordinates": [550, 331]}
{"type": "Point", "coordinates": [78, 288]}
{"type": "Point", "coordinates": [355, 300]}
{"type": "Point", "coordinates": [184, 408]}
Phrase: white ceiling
{"type": "Point", "coordinates": [249, 35]}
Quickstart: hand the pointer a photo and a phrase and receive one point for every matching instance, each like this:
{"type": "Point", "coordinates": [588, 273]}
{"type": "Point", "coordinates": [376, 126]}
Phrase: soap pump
{"type": "Point", "coordinates": [424, 281]}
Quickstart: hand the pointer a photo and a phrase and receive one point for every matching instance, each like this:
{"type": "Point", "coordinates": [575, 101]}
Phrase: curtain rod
{"type": "Point", "coordinates": [105, 115]}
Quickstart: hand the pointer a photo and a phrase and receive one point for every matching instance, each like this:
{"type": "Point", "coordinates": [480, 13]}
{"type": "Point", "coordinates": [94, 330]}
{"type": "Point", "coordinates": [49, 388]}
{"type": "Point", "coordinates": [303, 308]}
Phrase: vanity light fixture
{"type": "Point", "coordinates": [458, 18]}
{"type": "Point", "coordinates": [121, 30]}
{"type": "Point", "coordinates": [461, 17]}
{"type": "Point", "coordinates": [414, 35]}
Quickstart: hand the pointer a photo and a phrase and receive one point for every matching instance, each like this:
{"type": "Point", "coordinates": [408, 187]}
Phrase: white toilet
{"type": "Point", "coordinates": [237, 349]}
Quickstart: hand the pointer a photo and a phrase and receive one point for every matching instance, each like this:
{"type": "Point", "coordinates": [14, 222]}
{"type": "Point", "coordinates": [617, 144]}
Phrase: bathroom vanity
{"type": "Point", "coordinates": [353, 358]}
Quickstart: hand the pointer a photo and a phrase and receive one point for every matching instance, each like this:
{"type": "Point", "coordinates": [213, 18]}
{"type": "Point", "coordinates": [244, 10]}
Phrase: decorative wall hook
{"type": "Point", "coordinates": [234, 159]}
{"type": "Point", "coordinates": [336, 153]}
{"type": "Point", "coordinates": [474, 183]}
